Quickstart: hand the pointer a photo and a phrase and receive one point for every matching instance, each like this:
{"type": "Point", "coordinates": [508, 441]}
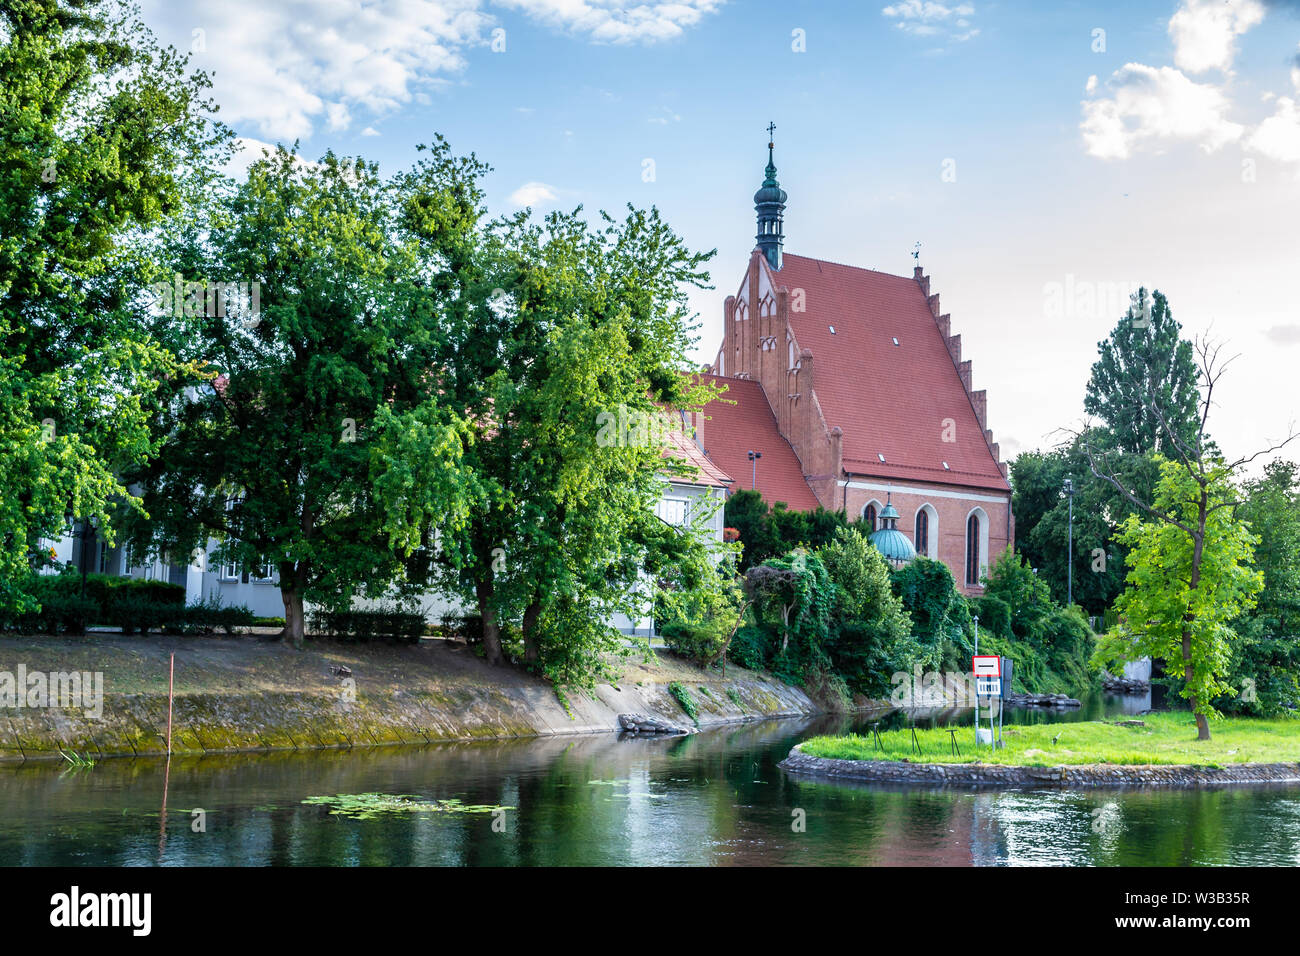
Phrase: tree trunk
{"type": "Point", "coordinates": [1189, 672]}
{"type": "Point", "coordinates": [295, 627]}
{"type": "Point", "coordinates": [532, 653]}
{"type": "Point", "coordinates": [491, 629]}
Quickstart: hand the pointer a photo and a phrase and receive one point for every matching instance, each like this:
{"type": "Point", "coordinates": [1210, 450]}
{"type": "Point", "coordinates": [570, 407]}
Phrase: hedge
{"type": "Point", "coordinates": [354, 625]}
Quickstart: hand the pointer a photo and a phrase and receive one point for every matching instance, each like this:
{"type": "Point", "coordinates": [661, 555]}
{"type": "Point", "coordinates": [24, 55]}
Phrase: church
{"type": "Point", "coordinates": [850, 392]}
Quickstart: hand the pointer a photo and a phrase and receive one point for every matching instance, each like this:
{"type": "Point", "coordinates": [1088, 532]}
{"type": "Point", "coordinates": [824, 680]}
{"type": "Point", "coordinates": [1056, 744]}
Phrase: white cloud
{"type": "Point", "coordinates": [533, 194]}
{"type": "Point", "coordinates": [281, 70]}
{"type": "Point", "coordinates": [1156, 105]}
{"type": "Point", "coordinates": [1278, 137]}
{"type": "Point", "coordinates": [927, 18]}
{"type": "Point", "coordinates": [1205, 31]}
{"type": "Point", "coordinates": [664, 117]}
{"type": "Point", "coordinates": [370, 131]}
{"type": "Point", "coordinates": [618, 21]}
{"type": "Point", "coordinates": [249, 151]}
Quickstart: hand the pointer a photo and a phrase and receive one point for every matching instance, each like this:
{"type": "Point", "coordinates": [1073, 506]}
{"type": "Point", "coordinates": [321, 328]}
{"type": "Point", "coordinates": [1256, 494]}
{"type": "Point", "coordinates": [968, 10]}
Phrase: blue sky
{"type": "Point", "coordinates": [1164, 151]}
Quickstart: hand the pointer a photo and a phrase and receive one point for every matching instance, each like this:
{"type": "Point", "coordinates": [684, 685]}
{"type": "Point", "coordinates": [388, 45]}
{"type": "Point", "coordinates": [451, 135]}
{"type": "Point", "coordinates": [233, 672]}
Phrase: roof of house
{"type": "Point", "coordinates": [890, 400]}
{"type": "Point", "coordinates": [730, 431]}
{"type": "Point", "coordinates": [683, 447]}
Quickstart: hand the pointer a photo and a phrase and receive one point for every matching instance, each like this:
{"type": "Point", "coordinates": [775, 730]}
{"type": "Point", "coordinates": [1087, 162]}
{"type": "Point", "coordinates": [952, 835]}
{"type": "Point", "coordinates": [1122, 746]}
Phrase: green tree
{"type": "Point", "coordinates": [565, 359]}
{"type": "Point", "coordinates": [1144, 383]}
{"type": "Point", "coordinates": [1189, 576]}
{"type": "Point", "coordinates": [274, 456]}
{"type": "Point", "coordinates": [1266, 659]}
{"type": "Point", "coordinates": [1043, 515]}
{"type": "Point", "coordinates": [940, 615]}
{"type": "Point", "coordinates": [103, 136]}
{"type": "Point", "coordinates": [747, 512]}
{"type": "Point", "coordinates": [871, 633]}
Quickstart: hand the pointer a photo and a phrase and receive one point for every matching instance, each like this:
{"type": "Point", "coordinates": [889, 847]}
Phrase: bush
{"type": "Point", "coordinates": [750, 648]}
{"type": "Point", "coordinates": [110, 601]}
{"type": "Point", "coordinates": [467, 627]}
{"type": "Point", "coordinates": [698, 623]}
{"type": "Point", "coordinates": [211, 615]}
{"type": "Point", "coordinates": [362, 626]}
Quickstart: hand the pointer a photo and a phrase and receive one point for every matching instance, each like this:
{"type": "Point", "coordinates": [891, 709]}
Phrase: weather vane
{"type": "Point", "coordinates": [771, 129]}
{"type": "Point", "coordinates": [916, 252]}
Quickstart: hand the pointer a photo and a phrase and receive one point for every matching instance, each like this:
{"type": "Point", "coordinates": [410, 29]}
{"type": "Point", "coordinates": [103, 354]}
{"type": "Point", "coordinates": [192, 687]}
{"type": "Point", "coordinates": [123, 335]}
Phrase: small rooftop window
{"type": "Point", "coordinates": [945, 467]}
{"type": "Point", "coordinates": [832, 328]}
{"type": "Point", "coordinates": [895, 340]}
{"type": "Point", "coordinates": [880, 456]}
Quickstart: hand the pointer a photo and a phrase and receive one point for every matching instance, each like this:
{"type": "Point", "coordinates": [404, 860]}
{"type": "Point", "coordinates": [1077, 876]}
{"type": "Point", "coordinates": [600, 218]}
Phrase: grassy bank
{"type": "Point", "coordinates": [1168, 739]}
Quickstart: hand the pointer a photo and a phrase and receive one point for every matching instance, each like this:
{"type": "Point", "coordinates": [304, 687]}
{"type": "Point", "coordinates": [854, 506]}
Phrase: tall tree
{"type": "Point", "coordinates": [1187, 579]}
{"type": "Point", "coordinates": [103, 136]}
{"type": "Point", "coordinates": [1266, 659]}
{"type": "Point", "coordinates": [273, 456]}
{"type": "Point", "coordinates": [1042, 513]}
{"type": "Point", "coordinates": [1144, 382]}
{"type": "Point", "coordinates": [1189, 576]}
{"type": "Point", "coordinates": [563, 362]}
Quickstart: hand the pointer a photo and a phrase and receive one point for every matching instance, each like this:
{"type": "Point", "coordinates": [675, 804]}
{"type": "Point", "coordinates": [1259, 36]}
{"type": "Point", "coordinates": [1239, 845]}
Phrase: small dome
{"type": "Point", "coordinates": [769, 194]}
{"type": "Point", "coordinates": [893, 545]}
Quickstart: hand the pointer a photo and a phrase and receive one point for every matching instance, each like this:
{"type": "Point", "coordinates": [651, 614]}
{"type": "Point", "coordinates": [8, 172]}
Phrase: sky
{"type": "Point", "coordinates": [1049, 158]}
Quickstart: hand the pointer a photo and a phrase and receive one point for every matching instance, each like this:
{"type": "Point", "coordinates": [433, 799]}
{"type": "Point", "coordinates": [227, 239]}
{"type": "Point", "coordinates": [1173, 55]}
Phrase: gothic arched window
{"type": "Point", "coordinates": [869, 517]}
{"type": "Point", "coordinates": [973, 551]}
{"type": "Point", "coordinates": [922, 532]}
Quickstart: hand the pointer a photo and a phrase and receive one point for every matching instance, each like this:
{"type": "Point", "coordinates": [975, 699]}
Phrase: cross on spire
{"type": "Point", "coordinates": [771, 129]}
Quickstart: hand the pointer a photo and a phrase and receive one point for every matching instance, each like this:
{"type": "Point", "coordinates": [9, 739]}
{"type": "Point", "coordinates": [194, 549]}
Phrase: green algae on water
{"type": "Point", "coordinates": [367, 806]}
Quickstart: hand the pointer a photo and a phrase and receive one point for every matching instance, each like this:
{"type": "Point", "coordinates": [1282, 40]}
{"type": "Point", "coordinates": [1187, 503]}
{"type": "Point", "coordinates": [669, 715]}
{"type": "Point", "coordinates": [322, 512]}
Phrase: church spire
{"type": "Point", "coordinates": [769, 203]}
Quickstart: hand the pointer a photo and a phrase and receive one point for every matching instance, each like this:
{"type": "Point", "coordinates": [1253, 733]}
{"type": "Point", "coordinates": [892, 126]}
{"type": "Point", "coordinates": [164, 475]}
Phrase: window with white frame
{"type": "Point", "coordinates": [672, 510]}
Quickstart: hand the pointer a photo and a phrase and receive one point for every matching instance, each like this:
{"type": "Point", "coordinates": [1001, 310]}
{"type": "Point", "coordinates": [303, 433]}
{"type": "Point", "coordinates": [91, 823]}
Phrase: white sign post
{"type": "Point", "coordinates": [988, 683]}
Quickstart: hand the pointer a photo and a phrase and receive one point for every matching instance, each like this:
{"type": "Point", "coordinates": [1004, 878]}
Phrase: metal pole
{"type": "Point", "coordinates": [975, 618]}
{"type": "Point", "coordinates": [1069, 567]}
{"type": "Point", "coordinates": [171, 684]}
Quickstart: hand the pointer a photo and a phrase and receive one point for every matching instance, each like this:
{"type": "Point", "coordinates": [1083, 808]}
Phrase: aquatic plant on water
{"type": "Point", "coordinates": [366, 806]}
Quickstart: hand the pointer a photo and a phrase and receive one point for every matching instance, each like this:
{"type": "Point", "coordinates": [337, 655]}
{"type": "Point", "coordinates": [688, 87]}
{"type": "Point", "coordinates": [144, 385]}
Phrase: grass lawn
{"type": "Point", "coordinates": [1165, 739]}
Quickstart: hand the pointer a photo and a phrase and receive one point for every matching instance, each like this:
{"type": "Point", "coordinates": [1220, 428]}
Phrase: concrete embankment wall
{"type": "Point", "coordinates": [994, 775]}
{"type": "Point", "coordinates": [237, 694]}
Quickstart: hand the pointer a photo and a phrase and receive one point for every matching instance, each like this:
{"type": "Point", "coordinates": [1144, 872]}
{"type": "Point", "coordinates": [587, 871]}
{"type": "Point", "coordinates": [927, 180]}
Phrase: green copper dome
{"type": "Point", "coordinates": [771, 190]}
{"type": "Point", "coordinates": [892, 544]}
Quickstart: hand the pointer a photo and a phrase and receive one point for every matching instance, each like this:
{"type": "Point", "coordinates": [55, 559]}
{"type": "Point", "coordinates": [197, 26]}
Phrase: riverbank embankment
{"type": "Point", "coordinates": [1078, 776]}
{"type": "Point", "coordinates": [240, 694]}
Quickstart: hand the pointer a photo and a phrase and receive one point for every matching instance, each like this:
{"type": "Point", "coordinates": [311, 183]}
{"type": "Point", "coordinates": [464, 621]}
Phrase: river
{"type": "Point", "coordinates": [714, 798]}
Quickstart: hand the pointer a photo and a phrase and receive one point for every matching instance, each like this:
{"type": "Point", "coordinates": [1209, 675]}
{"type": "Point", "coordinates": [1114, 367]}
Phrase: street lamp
{"type": "Point", "coordinates": [754, 456]}
{"type": "Point", "coordinates": [1068, 488]}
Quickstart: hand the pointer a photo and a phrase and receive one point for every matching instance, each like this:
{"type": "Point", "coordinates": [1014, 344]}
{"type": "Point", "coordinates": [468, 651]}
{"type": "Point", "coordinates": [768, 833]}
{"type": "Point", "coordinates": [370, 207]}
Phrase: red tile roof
{"type": "Point", "coordinates": [889, 400]}
{"type": "Point", "coordinates": [682, 446]}
{"type": "Point", "coordinates": [730, 431]}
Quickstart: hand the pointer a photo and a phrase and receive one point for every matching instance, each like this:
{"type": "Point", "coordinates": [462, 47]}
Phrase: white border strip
{"type": "Point", "coordinates": [924, 491]}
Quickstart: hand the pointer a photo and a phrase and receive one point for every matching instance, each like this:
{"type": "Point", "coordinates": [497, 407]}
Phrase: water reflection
{"type": "Point", "coordinates": [715, 798]}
